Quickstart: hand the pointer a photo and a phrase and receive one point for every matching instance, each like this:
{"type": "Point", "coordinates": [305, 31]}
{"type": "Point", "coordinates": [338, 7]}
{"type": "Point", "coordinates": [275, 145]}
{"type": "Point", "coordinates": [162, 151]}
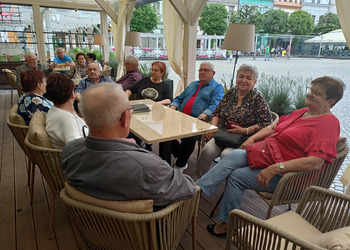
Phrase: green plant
{"type": "Point", "coordinates": [16, 58]}
{"type": "Point", "coordinates": [113, 61]}
{"type": "Point", "coordinates": [2, 59]}
{"type": "Point", "coordinates": [283, 93]}
{"type": "Point", "coordinates": [98, 54]}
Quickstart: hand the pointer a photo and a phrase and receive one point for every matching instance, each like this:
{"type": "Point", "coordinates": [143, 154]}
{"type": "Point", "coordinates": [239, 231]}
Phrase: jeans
{"type": "Point", "coordinates": [235, 170]}
{"type": "Point", "coordinates": [182, 151]}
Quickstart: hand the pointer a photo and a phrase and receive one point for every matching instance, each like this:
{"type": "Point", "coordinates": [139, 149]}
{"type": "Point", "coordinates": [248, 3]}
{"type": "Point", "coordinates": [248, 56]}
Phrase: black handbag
{"type": "Point", "coordinates": [226, 139]}
{"type": "Point", "coordinates": [229, 140]}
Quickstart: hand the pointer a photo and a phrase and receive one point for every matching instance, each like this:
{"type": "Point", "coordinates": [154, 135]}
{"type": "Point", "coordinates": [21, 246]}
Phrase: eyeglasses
{"type": "Point", "coordinates": [314, 92]}
{"type": "Point", "coordinates": [131, 108]}
{"type": "Point", "coordinates": [205, 70]}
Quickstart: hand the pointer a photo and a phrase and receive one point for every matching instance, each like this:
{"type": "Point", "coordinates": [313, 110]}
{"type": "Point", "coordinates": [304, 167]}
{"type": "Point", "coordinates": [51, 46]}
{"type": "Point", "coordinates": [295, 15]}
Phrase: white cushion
{"type": "Point", "coordinates": [334, 240]}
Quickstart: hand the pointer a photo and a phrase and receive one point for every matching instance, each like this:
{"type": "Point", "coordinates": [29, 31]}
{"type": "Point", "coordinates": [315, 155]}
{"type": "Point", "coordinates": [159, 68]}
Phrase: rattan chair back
{"type": "Point", "coordinates": [102, 228]}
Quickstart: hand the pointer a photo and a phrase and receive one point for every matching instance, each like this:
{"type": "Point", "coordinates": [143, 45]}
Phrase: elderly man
{"type": "Point", "coordinates": [108, 166]}
{"type": "Point", "coordinates": [199, 100]}
{"type": "Point", "coordinates": [94, 77]}
{"type": "Point", "coordinates": [133, 75]}
{"type": "Point", "coordinates": [63, 60]}
{"type": "Point", "coordinates": [31, 62]}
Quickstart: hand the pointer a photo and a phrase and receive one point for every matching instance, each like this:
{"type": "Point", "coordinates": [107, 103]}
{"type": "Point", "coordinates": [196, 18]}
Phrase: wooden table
{"type": "Point", "coordinates": [162, 125]}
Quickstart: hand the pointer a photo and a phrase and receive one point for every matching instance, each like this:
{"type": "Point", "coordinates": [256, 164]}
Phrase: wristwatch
{"type": "Point", "coordinates": [282, 167]}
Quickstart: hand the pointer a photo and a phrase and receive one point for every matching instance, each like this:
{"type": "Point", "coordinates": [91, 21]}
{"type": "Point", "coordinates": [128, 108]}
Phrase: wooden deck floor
{"type": "Point", "coordinates": [25, 226]}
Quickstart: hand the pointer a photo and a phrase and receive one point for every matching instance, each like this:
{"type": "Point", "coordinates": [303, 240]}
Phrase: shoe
{"type": "Point", "coordinates": [181, 169]}
{"type": "Point", "coordinates": [210, 229]}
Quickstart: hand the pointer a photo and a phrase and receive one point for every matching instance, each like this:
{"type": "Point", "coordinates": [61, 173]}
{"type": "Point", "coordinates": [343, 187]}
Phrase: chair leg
{"type": "Point", "coordinates": [268, 215]}
{"type": "Point", "coordinates": [32, 177]}
{"type": "Point", "coordinates": [194, 234]}
{"type": "Point", "coordinates": [289, 206]}
{"type": "Point", "coordinates": [28, 170]}
{"type": "Point", "coordinates": [216, 206]}
{"type": "Point", "coordinates": [51, 215]}
{"type": "Point", "coordinates": [11, 95]}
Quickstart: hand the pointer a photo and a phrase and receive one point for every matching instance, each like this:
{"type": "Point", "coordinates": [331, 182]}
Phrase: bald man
{"type": "Point", "coordinates": [31, 62]}
{"type": "Point", "coordinates": [108, 166]}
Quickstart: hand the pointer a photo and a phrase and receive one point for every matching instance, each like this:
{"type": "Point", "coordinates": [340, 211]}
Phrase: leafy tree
{"type": "Point", "coordinates": [327, 23]}
{"type": "Point", "coordinates": [213, 20]}
{"type": "Point", "coordinates": [276, 22]}
{"type": "Point", "coordinates": [144, 19]}
{"type": "Point", "coordinates": [301, 22]}
{"type": "Point", "coordinates": [249, 15]}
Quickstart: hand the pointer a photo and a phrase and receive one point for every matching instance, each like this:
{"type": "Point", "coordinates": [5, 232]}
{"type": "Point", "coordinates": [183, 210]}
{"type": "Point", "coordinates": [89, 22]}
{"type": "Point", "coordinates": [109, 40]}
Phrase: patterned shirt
{"type": "Point", "coordinates": [81, 70]}
{"type": "Point", "coordinates": [254, 109]}
{"type": "Point", "coordinates": [29, 103]}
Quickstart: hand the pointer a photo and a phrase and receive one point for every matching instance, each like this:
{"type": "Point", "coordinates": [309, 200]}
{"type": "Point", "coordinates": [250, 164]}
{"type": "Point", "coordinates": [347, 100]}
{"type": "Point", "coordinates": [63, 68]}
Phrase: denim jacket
{"type": "Point", "coordinates": [208, 97]}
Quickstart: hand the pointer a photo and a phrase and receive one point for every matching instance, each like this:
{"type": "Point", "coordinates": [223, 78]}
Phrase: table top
{"type": "Point", "coordinates": [61, 69]}
{"type": "Point", "coordinates": [163, 124]}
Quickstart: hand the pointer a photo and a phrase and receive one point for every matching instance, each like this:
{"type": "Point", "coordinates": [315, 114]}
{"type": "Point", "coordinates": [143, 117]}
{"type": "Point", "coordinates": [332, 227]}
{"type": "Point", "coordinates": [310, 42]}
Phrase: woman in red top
{"type": "Point", "coordinates": [306, 138]}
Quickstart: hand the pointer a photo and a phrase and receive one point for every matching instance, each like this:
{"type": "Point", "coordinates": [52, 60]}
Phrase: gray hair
{"type": "Point", "coordinates": [210, 65]}
{"type": "Point", "coordinates": [250, 68]}
{"type": "Point", "coordinates": [26, 56]}
{"type": "Point", "coordinates": [103, 104]}
{"type": "Point", "coordinates": [132, 60]}
{"type": "Point", "coordinates": [60, 49]}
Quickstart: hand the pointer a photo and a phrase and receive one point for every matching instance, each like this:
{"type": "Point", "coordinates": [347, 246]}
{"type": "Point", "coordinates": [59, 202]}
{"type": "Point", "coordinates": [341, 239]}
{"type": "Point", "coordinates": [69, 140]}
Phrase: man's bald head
{"type": "Point", "coordinates": [31, 60]}
{"type": "Point", "coordinates": [103, 105]}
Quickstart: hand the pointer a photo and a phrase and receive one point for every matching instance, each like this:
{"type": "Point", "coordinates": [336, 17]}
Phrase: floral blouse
{"type": "Point", "coordinates": [254, 109]}
{"type": "Point", "coordinates": [81, 70]}
{"type": "Point", "coordinates": [29, 103]}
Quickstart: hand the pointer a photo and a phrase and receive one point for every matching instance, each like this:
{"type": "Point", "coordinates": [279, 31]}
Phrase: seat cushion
{"type": "Point", "coordinates": [16, 118]}
{"type": "Point", "coordinates": [134, 206]}
{"type": "Point", "coordinates": [37, 134]}
{"type": "Point", "coordinates": [293, 223]}
{"type": "Point", "coordinates": [334, 240]}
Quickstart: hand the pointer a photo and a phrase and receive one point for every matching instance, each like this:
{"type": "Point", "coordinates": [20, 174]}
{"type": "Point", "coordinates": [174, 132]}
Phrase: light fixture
{"type": "Point", "coordinates": [133, 39]}
{"type": "Point", "coordinates": [99, 39]}
{"type": "Point", "coordinates": [239, 37]}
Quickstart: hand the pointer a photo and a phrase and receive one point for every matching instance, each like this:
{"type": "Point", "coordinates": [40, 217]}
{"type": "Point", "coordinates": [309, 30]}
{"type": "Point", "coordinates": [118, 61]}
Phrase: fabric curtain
{"type": "Point", "coordinates": [343, 8]}
{"type": "Point", "coordinates": [173, 34]}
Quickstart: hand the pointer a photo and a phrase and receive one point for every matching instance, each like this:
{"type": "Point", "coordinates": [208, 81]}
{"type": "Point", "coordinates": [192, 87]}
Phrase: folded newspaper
{"type": "Point", "coordinates": [139, 108]}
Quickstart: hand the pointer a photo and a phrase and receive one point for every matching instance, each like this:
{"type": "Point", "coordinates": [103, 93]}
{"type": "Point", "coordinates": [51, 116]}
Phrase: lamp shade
{"type": "Point", "coordinates": [239, 37]}
{"type": "Point", "coordinates": [133, 39]}
{"type": "Point", "coordinates": [99, 39]}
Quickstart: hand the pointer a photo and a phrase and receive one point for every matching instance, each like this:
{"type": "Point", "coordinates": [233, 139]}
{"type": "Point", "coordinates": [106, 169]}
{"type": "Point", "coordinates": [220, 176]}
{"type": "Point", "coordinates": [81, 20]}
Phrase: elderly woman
{"type": "Point", "coordinates": [62, 123]}
{"type": "Point", "coordinates": [80, 67]}
{"type": "Point", "coordinates": [304, 140]}
{"type": "Point", "coordinates": [153, 87]}
{"type": "Point", "coordinates": [34, 87]}
{"type": "Point", "coordinates": [243, 109]}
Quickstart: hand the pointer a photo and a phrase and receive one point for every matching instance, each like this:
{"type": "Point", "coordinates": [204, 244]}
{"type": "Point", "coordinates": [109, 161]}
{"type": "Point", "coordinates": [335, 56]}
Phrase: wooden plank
{"type": "Point", "coordinates": [7, 204]}
{"type": "Point", "coordinates": [24, 220]}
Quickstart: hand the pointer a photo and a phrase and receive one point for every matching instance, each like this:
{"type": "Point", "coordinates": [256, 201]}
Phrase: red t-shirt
{"type": "Point", "coordinates": [315, 136]}
{"type": "Point", "coordinates": [189, 104]}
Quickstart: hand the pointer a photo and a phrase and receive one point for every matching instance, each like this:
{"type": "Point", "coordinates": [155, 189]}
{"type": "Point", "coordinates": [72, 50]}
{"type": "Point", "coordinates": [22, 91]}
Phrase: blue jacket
{"type": "Point", "coordinates": [208, 97]}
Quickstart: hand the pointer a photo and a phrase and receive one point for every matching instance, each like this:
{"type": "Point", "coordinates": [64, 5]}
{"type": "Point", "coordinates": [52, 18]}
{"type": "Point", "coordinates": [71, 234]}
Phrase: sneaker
{"type": "Point", "coordinates": [181, 169]}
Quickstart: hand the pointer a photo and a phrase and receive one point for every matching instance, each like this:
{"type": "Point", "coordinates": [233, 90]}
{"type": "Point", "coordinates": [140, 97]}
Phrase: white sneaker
{"type": "Point", "coordinates": [182, 169]}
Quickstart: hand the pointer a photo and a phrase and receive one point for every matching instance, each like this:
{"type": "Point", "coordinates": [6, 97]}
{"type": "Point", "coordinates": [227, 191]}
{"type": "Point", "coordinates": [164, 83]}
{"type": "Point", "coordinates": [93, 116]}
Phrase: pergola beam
{"type": "Point", "coordinates": [181, 9]}
{"type": "Point", "coordinates": [56, 4]}
{"type": "Point", "coordinates": [108, 10]}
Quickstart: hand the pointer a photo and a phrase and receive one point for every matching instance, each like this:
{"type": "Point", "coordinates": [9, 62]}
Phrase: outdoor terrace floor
{"type": "Point", "coordinates": [25, 226]}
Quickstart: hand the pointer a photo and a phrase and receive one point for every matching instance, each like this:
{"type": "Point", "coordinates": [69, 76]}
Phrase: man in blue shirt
{"type": "Point", "coordinates": [199, 99]}
{"type": "Point", "coordinates": [63, 60]}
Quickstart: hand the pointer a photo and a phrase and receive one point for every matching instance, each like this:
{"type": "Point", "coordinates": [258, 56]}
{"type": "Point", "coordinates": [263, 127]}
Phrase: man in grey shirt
{"type": "Point", "coordinates": [108, 166]}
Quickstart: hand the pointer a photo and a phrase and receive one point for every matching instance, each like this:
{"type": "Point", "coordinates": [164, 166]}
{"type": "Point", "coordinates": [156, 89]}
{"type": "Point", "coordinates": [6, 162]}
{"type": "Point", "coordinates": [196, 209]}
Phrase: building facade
{"type": "Point", "coordinates": [262, 5]}
{"type": "Point", "coordinates": [288, 6]}
{"type": "Point", "coordinates": [319, 8]}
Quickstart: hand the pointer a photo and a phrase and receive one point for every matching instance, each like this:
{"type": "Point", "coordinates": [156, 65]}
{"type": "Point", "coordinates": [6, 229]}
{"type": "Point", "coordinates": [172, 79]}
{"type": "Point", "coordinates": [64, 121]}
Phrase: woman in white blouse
{"type": "Point", "coordinates": [63, 124]}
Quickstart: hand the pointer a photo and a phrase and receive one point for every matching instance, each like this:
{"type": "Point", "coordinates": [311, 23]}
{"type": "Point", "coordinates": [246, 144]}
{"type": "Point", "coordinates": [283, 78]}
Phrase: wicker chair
{"type": "Point", "coordinates": [48, 159]}
{"type": "Point", "coordinates": [292, 185]}
{"type": "Point", "coordinates": [102, 228]}
{"type": "Point", "coordinates": [19, 131]}
{"type": "Point", "coordinates": [320, 211]}
{"type": "Point", "coordinates": [106, 72]}
{"type": "Point", "coordinates": [11, 78]}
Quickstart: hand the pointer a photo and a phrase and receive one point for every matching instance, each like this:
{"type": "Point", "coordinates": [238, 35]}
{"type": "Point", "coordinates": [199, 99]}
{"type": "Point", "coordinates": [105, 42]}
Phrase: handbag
{"type": "Point", "coordinates": [229, 140]}
{"type": "Point", "coordinates": [226, 139]}
{"type": "Point", "coordinates": [263, 153]}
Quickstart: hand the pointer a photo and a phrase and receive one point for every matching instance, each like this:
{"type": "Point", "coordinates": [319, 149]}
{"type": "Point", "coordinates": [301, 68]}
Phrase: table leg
{"type": "Point", "coordinates": [165, 151]}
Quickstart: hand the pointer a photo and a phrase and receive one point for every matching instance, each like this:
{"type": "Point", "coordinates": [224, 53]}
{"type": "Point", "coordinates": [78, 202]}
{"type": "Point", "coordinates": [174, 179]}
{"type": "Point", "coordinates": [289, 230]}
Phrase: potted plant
{"type": "Point", "coordinates": [113, 63]}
